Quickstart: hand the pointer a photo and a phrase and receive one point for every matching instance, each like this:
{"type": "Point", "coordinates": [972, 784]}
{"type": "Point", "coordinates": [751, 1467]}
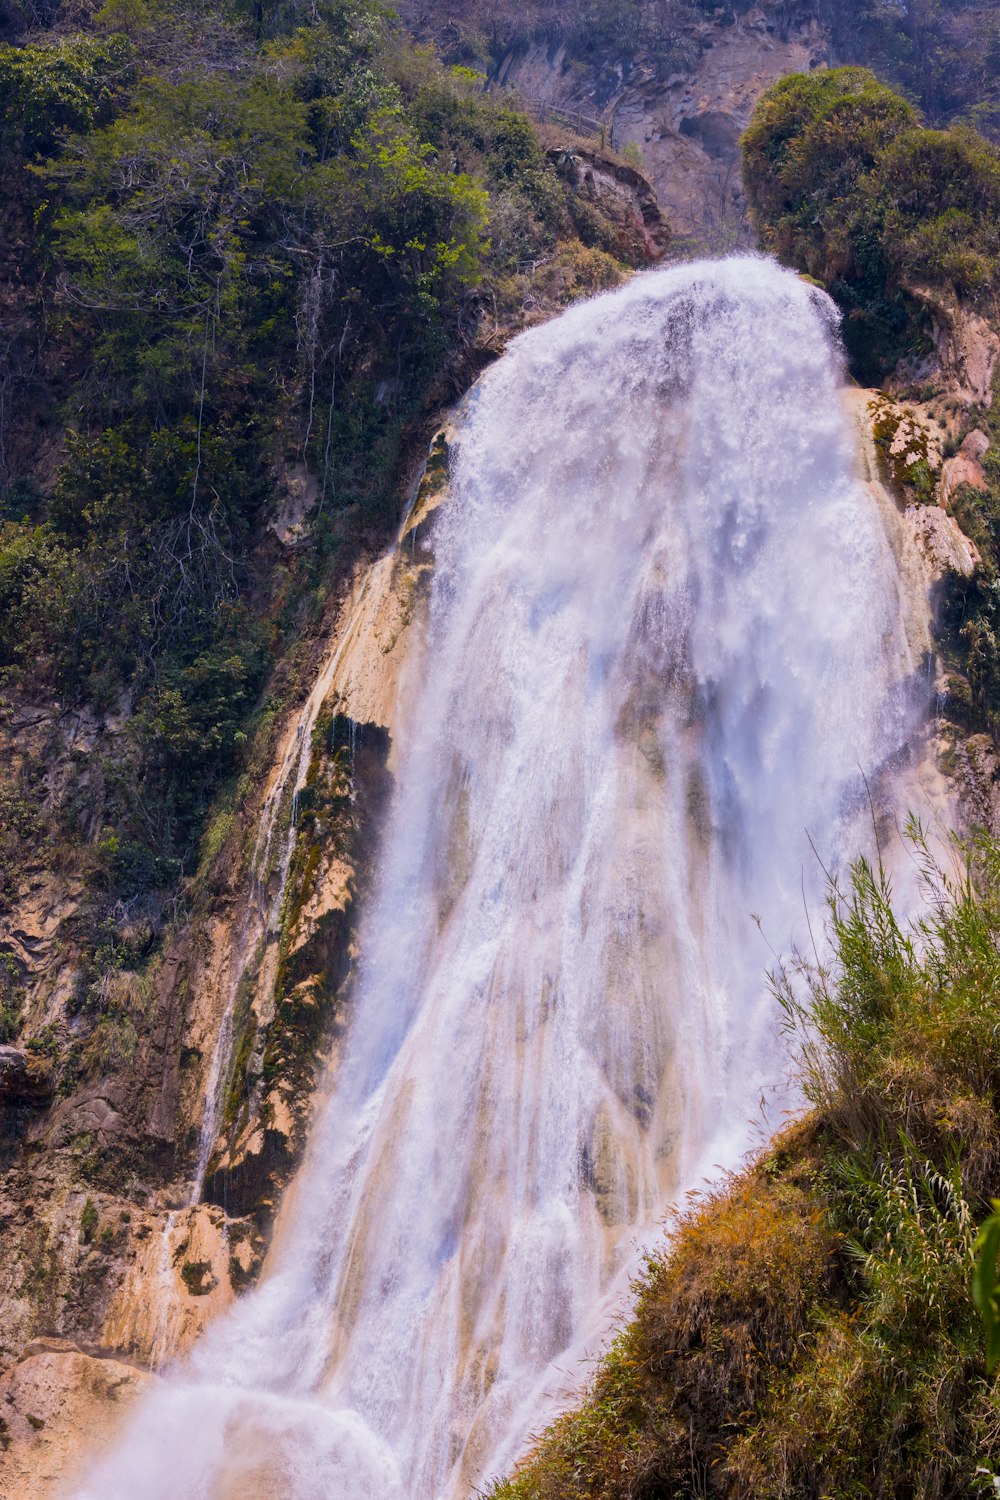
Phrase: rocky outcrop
{"type": "Point", "coordinates": [291, 1012]}
{"type": "Point", "coordinates": [685, 120]}
{"type": "Point", "coordinates": [965, 468]}
{"type": "Point", "coordinates": [977, 770]}
{"type": "Point", "coordinates": [908, 447]}
{"type": "Point", "coordinates": [944, 547]}
{"type": "Point", "coordinates": [25, 1078]}
{"type": "Point", "coordinates": [55, 1402]}
{"type": "Point", "coordinates": [624, 195]}
{"type": "Point", "coordinates": [966, 347]}
{"type": "Point", "coordinates": [688, 126]}
{"type": "Point", "coordinates": [281, 1044]}
{"type": "Point", "coordinates": [183, 1268]}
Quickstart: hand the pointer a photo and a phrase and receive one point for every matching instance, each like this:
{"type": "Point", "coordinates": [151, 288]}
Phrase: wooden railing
{"type": "Point", "coordinates": [574, 119]}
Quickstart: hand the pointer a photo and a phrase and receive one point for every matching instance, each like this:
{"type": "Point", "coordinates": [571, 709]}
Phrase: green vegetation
{"type": "Point", "coordinates": [944, 55]}
{"type": "Point", "coordinates": [240, 242]}
{"type": "Point", "coordinates": [88, 1222]}
{"type": "Point", "coordinates": [846, 185]}
{"type": "Point", "coordinates": [809, 1330]}
{"type": "Point", "coordinates": [588, 29]}
{"type": "Point", "coordinates": [986, 1285]}
{"type": "Point", "coordinates": [970, 608]}
{"type": "Point", "coordinates": [11, 999]}
{"type": "Point", "coordinates": [50, 89]}
{"type": "Point", "coordinates": [197, 1277]}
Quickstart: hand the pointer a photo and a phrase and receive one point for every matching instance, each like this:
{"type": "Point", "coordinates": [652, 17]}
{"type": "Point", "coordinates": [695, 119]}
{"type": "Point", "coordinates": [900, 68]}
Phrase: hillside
{"type": "Point", "coordinates": [678, 81]}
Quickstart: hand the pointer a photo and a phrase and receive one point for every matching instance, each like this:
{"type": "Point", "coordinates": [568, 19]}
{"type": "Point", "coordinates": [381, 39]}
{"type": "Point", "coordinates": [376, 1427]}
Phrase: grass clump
{"type": "Point", "coordinates": [197, 1277]}
{"type": "Point", "coordinates": [808, 1330]}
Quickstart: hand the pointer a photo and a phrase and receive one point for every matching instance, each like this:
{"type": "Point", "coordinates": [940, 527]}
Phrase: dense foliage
{"type": "Point", "coordinates": [245, 241]}
{"type": "Point", "coordinates": [970, 609]}
{"type": "Point", "coordinates": [810, 1331]}
{"type": "Point", "coordinates": [844, 183]}
{"type": "Point", "coordinates": [944, 54]}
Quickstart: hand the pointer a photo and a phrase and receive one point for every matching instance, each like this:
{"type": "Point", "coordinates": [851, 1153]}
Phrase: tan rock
{"type": "Point", "coordinates": [177, 1281]}
{"type": "Point", "coordinates": [60, 1407]}
{"type": "Point", "coordinates": [968, 349]}
{"type": "Point", "coordinates": [943, 546]}
{"type": "Point", "coordinates": [966, 467]}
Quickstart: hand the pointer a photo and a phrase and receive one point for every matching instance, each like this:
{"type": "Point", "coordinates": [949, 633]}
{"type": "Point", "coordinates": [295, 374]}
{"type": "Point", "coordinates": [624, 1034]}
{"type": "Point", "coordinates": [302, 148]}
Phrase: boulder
{"type": "Point", "coordinates": [942, 545]}
{"type": "Point", "coordinates": [966, 467]}
{"type": "Point", "coordinates": [60, 1408]}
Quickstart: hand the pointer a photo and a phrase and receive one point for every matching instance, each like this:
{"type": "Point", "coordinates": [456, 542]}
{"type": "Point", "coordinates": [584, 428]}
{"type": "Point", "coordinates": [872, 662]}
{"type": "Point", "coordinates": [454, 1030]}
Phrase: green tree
{"type": "Point", "coordinates": [51, 89]}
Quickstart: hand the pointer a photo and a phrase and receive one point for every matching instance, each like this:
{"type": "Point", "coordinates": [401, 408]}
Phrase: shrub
{"type": "Point", "coordinates": [51, 89]}
{"type": "Point", "coordinates": [38, 586]}
{"type": "Point", "coordinates": [11, 999]}
{"type": "Point", "coordinates": [846, 185]}
{"type": "Point", "coordinates": [88, 1222]}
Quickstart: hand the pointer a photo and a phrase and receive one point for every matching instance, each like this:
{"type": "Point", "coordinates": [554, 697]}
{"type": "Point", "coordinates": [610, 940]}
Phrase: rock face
{"type": "Point", "coordinates": [966, 467]}
{"type": "Point", "coordinates": [25, 1078]}
{"type": "Point", "coordinates": [688, 125]}
{"type": "Point", "coordinates": [967, 348]}
{"type": "Point", "coordinates": [103, 1251]}
{"type": "Point", "coordinates": [943, 545]}
{"type": "Point", "coordinates": [685, 120]}
{"type": "Point", "coordinates": [978, 773]}
{"type": "Point", "coordinates": [625, 196]}
{"type": "Point", "coordinates": [283, 1041]}
{"type": "Point", "coordinates": [54, 1403]}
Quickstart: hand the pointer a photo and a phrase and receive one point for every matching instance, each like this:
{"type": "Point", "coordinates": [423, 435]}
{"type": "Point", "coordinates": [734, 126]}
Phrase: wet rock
{"type": "Point", "coordinates": [178, 1278]}
{"type": "Point", "coordinates": [943, 546]}
{"type": "Point", "coordinates": [25, 1078]}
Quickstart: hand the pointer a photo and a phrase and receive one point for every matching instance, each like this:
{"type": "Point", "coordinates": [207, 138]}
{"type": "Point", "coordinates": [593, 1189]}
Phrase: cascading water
{"type": "Point", "coordinates": [665, 638]}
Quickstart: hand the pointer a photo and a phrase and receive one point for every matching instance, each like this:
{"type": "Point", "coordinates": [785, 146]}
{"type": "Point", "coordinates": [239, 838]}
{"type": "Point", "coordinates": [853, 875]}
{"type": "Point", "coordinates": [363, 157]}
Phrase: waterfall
{"type": "Point", "coordinates": [665, 647]}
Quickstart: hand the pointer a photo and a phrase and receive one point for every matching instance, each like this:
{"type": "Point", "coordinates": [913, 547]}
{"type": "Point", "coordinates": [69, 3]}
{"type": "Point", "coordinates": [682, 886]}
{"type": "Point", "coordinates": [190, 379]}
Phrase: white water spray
{"type": "Point", "coordinates": [665, 636]}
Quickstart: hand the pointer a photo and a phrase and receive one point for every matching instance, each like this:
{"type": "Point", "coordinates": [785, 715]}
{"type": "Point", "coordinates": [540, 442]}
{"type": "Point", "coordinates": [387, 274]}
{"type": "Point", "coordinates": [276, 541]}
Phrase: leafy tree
{"type": "Point", "coordinates": [845, 184]}
{"type": "Point", "coordinates": [53, 88]}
